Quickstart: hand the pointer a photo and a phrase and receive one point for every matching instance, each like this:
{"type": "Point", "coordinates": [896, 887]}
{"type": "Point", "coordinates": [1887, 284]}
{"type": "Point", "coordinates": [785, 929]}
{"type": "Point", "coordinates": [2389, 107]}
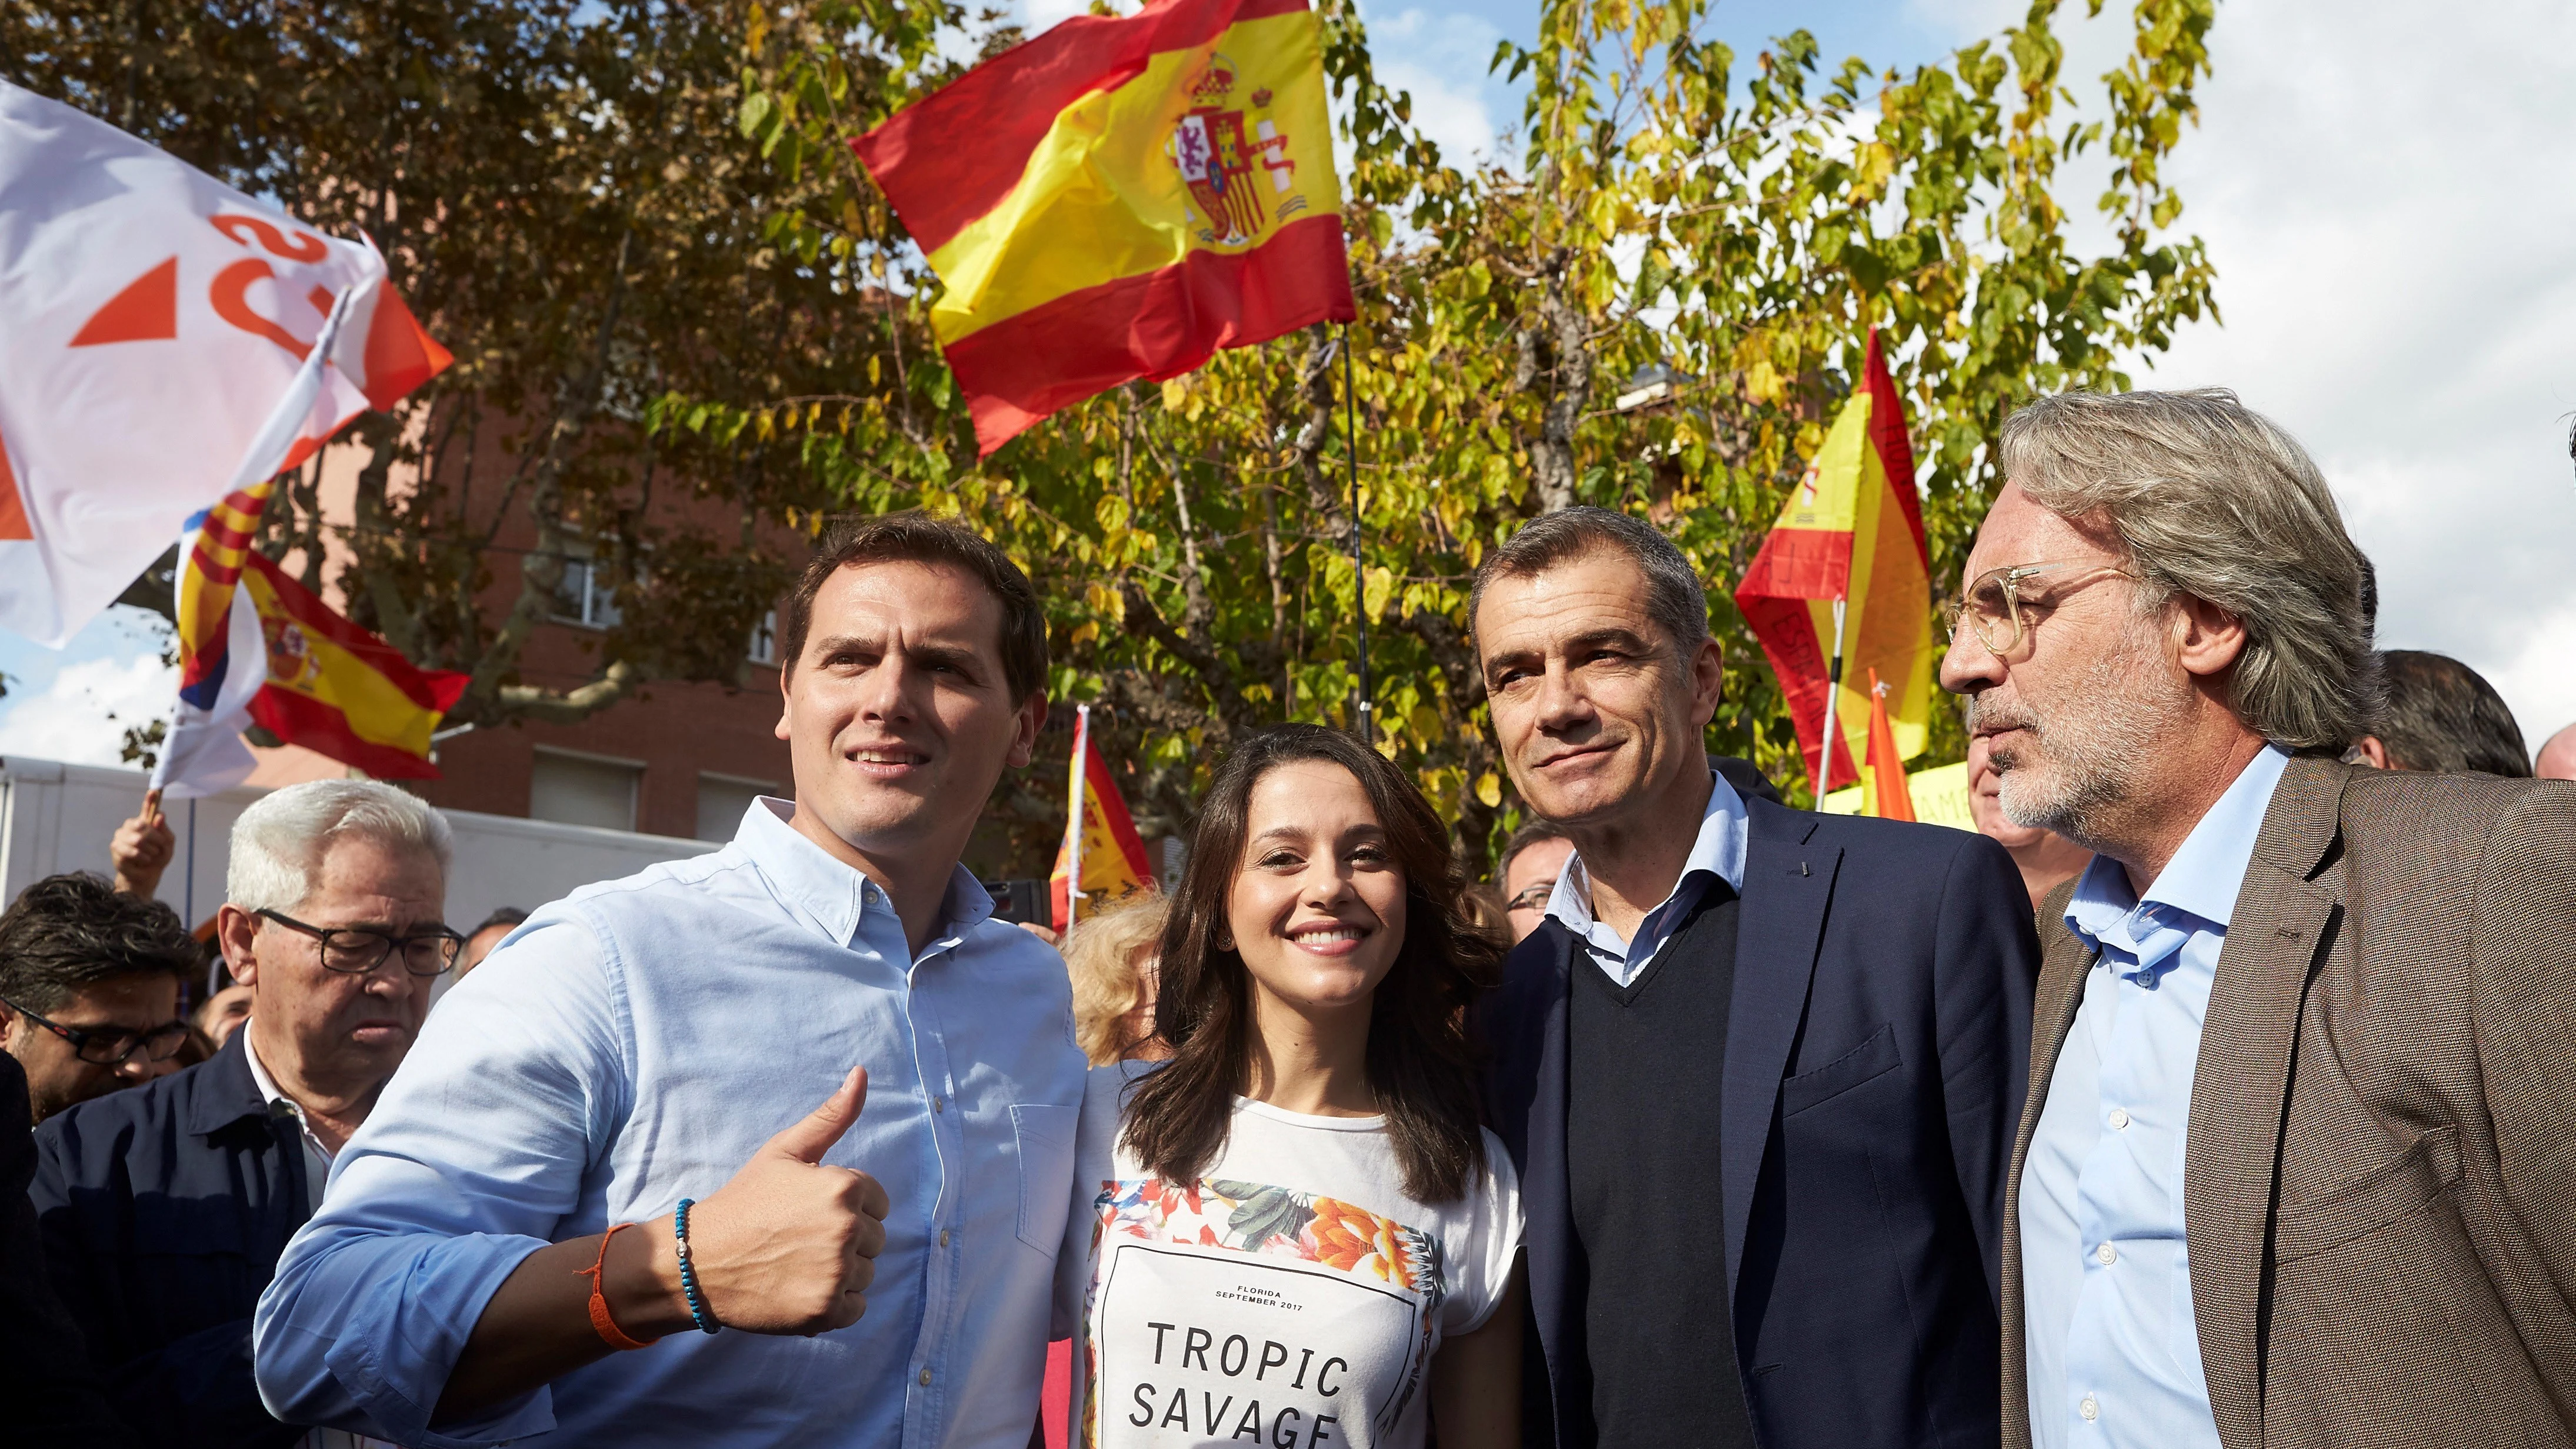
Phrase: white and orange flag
{"type": "Point", "coordinates": [165, 341]}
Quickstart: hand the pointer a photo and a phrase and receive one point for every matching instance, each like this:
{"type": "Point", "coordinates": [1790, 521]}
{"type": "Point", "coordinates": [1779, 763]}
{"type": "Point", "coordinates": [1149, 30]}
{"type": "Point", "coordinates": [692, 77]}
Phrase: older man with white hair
{"type": "Point", "coordinates": [164, 1208]}
{"type": "Point", "coordinates": [2294, 1167]}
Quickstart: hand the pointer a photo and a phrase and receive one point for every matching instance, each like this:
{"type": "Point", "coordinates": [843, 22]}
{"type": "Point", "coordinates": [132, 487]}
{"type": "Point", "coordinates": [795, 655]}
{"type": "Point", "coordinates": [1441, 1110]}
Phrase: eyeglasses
{"type": "Point", "coordinates": [111, 1046]}
{"type": "Point", "coordinates": [355, 950]}
{"type": "Point", "coordinates": [1992, 607]}
{"type": "Point", "coordinates": [1533, 897]}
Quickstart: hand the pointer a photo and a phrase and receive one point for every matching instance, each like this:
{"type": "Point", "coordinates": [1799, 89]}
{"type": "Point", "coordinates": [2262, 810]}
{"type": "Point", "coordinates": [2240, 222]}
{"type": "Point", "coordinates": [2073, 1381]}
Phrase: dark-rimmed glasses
{"type": "Point", "coordinates": [1992, 607]}
{"type": "Point", "coordinates": [1533, 897]}
{"type": "Point", "coordinates": [356, 950]}
{"type": "Point", "coordinates": [110, 1046]}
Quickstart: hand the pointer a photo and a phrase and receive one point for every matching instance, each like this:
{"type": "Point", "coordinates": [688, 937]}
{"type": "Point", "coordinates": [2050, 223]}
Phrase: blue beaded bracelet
{"type": "Point", "coordinates": [698, 1313]}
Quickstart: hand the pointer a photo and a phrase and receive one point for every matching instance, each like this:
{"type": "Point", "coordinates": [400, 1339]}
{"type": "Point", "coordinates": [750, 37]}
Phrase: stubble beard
{"type": "Point", "coordinates": [2089, 746]}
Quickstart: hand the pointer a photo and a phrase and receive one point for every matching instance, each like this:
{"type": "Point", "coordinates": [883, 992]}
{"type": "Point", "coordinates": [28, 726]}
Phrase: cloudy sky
{"type": "Point", "coordinates": [2389, 193]}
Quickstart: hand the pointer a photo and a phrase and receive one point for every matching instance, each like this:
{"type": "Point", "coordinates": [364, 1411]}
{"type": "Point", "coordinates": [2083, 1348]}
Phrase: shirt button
{"type": "Point", "coordinates": [939, 1104]}
{"type": "Point", "coordinates": [925, 1383]}
{"type": "Point", "coordinates": [943, 1237]}
{"type": "Point", "coordinates": [2089, 1409]}
{"type": "Point", "coordinates": [2119, 1119]}
{"type": "Point", "coordinates": [2106, 1255]}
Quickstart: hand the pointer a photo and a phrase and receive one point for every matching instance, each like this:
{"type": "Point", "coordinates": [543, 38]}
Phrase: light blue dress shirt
{"type": "Point", "coordinates": [2114, 1351]}
{"type": "Point", "coordinates": [1725, 832]}
{"type": "Point", "coordinates": [635, 1043]}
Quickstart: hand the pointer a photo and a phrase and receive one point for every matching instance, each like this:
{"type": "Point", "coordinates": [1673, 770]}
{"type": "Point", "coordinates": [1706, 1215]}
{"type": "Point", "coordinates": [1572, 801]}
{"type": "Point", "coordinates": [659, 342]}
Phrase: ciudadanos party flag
{"type": "Point", "coordinates": [1119, 198]}
{"type": "Point", "coordinates": [1852, 530]}
{"type": "Point", "coordinates": [165, 341]}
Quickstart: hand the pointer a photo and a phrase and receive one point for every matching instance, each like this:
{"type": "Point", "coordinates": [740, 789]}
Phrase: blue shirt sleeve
{"type": "Point", "coordinates": [469, 1162]}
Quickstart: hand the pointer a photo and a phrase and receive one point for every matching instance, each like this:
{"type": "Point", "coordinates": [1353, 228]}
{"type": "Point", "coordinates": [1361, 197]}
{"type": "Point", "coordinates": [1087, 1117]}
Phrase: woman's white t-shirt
{"type": "Point", "coordinates": [1292, 1298]}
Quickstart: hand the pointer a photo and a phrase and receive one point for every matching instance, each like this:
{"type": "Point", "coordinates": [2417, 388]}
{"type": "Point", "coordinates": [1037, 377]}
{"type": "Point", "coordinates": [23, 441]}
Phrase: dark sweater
{"type": "Point", "coordinates": [1645, 1071]}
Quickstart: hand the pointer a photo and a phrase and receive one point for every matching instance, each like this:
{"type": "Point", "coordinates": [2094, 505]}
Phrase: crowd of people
{"type": "Point", "coordinates": [2206, 1094]}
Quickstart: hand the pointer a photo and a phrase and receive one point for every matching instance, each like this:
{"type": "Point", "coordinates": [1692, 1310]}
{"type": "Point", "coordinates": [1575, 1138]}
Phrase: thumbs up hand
{"type": "Point", "coordinates": [790, 1244]}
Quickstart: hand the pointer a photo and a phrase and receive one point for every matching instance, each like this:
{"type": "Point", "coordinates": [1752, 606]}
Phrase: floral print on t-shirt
{"type": "Point", "coordinates": [1252, 1217]}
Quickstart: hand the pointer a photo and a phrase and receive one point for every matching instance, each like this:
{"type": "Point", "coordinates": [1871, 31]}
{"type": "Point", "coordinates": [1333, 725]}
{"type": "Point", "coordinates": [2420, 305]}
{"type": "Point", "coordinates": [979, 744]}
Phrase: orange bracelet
{"type": "Point", "coordinates": [609, 1332]}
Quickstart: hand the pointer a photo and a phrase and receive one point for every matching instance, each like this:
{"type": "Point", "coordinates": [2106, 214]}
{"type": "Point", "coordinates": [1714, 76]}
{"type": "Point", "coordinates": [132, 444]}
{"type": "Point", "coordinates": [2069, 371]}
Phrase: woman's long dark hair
{"type": "Point", "coordinates": [1418, 1062]}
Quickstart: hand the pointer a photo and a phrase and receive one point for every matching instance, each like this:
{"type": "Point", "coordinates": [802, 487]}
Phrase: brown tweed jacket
{"type": "Point", "coordinates": [2380, 1179]}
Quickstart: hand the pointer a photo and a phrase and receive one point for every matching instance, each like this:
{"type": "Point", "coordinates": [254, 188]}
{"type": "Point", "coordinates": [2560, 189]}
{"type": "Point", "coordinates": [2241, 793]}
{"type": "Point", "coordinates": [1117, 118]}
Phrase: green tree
{"type": "Point", "coordinates": [562, 193]}
{"type": "Point", "coordinates": [1744, 232]}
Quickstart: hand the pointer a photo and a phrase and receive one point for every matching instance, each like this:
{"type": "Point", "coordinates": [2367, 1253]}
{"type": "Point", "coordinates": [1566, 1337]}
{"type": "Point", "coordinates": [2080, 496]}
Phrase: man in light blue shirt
{"type": "Point", "coordinates": [1716, 853]}
{"type": "Point", "coordinates": [874, 1272]}
{"type": "Point", "coordinates": [2106, 1263]}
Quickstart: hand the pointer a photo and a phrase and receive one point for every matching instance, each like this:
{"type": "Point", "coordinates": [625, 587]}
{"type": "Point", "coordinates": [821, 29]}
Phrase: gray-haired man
{"type": "Point", "coordinates": [164, 1208]}
{"type": "Point", "coordinates": [2294, 1168]}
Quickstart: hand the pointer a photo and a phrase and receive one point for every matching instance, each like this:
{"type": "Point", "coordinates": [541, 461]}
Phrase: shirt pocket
{"type": "Point", "coordinates": [1044, 1133]}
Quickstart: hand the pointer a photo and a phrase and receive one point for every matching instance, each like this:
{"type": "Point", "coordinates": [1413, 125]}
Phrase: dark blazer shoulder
{"type": "Point", "coordinates": [79, 1143]}
{"type": "Point", "coordinates": [1884, 842]}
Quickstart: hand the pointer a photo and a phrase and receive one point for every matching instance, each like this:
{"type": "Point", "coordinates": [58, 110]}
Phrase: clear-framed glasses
{"type": "Point", "coordinates": [355, 950]}
{"type": "Point", "coordinates": [1993, 607]}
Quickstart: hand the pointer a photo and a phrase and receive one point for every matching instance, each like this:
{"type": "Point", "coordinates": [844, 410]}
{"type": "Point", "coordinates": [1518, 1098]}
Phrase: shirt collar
{"type": "Point", "coordinates": [1719, 848]}
{"type": "Point", "coordinates": [832, 895]}
{"type": "Point", "coordinates": [2202, 879]}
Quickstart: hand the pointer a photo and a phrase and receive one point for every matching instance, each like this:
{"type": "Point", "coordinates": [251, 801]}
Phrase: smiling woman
{"type": "Point", "coordinates": [1300, 1225]}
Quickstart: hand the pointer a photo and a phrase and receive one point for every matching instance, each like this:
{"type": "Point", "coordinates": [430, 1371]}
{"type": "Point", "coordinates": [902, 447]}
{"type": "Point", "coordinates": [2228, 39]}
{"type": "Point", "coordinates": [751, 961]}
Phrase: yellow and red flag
{"type": "Point", "coordinates": [1120, 198]}
{"type": "Point", "coordinates": [340, 691]}
{"type": "Point", "coordinates": [1851, 531]}
{"type": "Point", "coordinates": [1101, 848]}
{"type": "Point", "coordinates": [1885, 792]}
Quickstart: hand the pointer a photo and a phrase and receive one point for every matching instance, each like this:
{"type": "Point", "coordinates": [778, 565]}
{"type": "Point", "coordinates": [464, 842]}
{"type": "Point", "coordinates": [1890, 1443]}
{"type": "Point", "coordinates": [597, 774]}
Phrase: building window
{"type": "Point", "coordinates": [572, 789]}
{"type": "Point", "coordinates": [722, 800]}
{"type": "Point", "coordinates": [585, 597]}
{"type": "Point", "coordinates": [764, 643]}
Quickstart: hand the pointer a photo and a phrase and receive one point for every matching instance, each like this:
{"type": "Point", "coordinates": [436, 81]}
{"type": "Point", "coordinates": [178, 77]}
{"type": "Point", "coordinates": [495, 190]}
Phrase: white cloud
{"type": "Point", "coordinates": [82, 717]}
{"type": "Point", "coordinates": [1441, 60]}
{"type": "Point", "coordinates": [2388, 204]}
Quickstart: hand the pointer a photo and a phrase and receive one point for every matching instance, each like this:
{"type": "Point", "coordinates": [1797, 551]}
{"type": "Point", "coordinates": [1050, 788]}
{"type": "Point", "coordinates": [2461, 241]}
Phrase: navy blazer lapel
{"type": "Point", "coordinates": [1787, 882]}
{"type": "Point", "coordinates": [1531, 1017]}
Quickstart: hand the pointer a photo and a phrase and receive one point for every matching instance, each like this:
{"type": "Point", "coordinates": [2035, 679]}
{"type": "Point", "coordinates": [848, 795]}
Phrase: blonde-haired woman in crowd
{"type": "Point", "coordinates": [1112, 958]}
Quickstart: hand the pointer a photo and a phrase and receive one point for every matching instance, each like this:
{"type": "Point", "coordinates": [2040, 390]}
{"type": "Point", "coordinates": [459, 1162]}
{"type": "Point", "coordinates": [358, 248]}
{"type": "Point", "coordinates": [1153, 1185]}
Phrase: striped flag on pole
{"type": "Point", "coordinates": [1843, 586]}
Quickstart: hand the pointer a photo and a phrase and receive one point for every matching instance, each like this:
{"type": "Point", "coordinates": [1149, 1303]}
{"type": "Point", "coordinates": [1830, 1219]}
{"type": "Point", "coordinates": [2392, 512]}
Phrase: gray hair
{"type": "Point", "coordinates": [278, 841]}
{"type": "Point", "coordinates": [2212, 500]}
{"type": "Point", "coordinates": [1675, 598]}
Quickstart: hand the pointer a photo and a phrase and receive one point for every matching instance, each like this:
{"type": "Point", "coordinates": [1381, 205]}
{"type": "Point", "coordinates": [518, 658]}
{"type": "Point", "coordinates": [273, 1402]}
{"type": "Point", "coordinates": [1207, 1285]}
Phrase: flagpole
{"type": "Point", "coordinates": [1833, 687]}
{"type": "Point", "coordinates": [1073, 845]}
{"type": "Point", "coordinates": [1359, 574]}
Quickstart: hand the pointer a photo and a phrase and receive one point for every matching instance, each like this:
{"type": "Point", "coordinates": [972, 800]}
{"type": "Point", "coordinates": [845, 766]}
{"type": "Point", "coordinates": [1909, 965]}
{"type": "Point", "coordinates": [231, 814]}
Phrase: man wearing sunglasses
{"type": "Point", "coordinates": [89, 989]}
{"type": "Point", "coordinates": [164, 1209]}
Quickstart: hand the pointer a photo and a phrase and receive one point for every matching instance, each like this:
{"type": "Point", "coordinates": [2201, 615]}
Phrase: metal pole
{"type": "Point", "coordinates": [188, 891]}
{"type": "Point", "coordinates": [1833, 687]}
{"type": "Point", "coordinates": [1359, 573]}
{"type": "Point", "coordinates": [1081, 781]}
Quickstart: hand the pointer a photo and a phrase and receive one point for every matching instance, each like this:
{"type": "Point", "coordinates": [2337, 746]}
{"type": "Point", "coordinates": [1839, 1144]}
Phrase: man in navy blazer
{"type": "Point", "coordinates": [1759, 1069]}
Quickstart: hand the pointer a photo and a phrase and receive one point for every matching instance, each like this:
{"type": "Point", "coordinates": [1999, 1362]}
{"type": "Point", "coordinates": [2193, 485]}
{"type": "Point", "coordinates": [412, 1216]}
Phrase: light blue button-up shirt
{"type": "Point", "coordinates": [633, 1044]}
{"type": "Point", "coordinates": [2113, 1348]}
{"type": "Point", "coordinates": [1717, 853]}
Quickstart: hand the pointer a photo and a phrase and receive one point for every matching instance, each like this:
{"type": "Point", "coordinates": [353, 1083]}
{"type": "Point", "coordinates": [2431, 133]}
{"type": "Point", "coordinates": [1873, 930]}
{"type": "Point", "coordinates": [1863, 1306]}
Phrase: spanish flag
{"type": "Point", "coordinates": [1101, 847]}
{"type": "Point", "coordinates": [218, 542]}
{"type": "Point", "coordinates": [1120, 198]}
{"type": "Point", "coordinates": [1851, 531]}
{"type": "Point", "coordinates": [340, 691]}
